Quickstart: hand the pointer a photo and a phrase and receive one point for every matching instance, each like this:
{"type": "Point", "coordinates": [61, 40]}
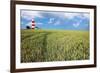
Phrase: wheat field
{"type": "Point", "coordinates": [54, 45]}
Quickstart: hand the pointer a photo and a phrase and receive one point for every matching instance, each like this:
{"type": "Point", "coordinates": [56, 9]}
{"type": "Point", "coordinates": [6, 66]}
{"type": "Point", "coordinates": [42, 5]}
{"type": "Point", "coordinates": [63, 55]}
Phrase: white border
{"type": "Point", "coordinates": [57, 63]}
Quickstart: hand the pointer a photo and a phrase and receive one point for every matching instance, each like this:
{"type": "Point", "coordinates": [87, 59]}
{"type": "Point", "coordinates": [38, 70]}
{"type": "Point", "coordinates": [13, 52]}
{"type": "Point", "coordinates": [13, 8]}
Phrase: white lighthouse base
{"type": "Point", "coordinates": [33, 27]}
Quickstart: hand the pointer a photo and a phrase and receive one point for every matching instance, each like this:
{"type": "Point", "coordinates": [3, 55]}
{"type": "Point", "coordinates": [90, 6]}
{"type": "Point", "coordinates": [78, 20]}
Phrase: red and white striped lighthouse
{"type": "Point", "coordinates": [33, 24]}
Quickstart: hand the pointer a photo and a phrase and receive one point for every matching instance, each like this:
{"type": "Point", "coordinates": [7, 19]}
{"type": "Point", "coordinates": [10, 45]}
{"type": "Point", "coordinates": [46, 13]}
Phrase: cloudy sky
{"type": "Point", "coordinates": [55, 20]}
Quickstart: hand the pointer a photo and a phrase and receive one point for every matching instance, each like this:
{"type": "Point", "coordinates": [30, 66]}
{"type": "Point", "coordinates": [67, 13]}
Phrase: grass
{"type": "Point", "coordinates": [53, 45]}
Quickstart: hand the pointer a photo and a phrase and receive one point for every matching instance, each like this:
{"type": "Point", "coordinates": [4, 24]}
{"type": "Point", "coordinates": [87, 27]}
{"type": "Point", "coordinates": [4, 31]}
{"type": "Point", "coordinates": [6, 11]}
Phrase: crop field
{"type": "Point", "coordinates": [54, 45]}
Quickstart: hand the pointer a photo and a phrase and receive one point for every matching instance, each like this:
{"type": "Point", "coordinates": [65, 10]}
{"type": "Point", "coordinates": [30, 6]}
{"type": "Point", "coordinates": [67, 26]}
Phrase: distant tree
{"type": "Point", "coordinates": [37, 27]}
{"type": "Point", "coordinates": [27, 27]}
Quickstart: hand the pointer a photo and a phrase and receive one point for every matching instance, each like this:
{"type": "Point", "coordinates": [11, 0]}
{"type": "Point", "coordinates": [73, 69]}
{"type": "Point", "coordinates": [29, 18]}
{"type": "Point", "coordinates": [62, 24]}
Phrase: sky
{"type": "Point", "coordinates": [55, 20]}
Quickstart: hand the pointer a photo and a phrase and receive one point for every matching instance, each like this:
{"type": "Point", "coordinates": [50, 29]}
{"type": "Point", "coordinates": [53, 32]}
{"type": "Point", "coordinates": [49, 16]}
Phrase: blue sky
{"type": "Point", "coordinates": [56, 20]}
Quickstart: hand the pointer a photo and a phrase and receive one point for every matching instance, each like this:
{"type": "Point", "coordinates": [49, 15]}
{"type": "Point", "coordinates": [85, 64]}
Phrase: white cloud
{"type": "Point", "coordinates": [30, 14]}
{"type": "Point", "coordinates": [57, 23]}
{"type": "Point", "coordinates": [51, 20]}
{"type": "Point", "coordinates": [39, 23]}
{"type": "Point", "coordinates": [76, 24]}
{"type": "Point", "coordinates": [29, 24]}
{"type": "Point", "coordinates": [86, 15]}
{"type": "Point", "coordinates": [22, 23]}
{"type": "Point", "coordinates": [71, 15]}
{"type": "Point", "coordinates": [80, 15]}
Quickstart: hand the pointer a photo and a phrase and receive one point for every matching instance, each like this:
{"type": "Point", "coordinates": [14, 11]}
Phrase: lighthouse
{"type": "Point", "coordinates": [33, 24]}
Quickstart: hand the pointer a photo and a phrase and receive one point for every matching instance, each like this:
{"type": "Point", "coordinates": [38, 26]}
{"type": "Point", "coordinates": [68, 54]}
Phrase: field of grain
{"type": "Point", "coordinates": [54, 45]}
